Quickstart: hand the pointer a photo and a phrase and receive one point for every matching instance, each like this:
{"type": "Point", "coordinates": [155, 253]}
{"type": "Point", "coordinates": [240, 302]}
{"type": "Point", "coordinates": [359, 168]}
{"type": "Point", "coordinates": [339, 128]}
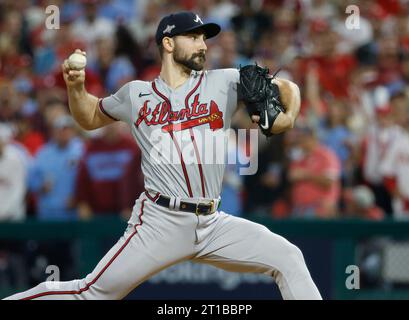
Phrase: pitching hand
{"type": "Point", "coordinates": [73, 78]}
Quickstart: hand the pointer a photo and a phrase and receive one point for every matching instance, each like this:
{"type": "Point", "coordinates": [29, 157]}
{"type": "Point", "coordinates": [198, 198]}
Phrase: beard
{"type": "Point", "coordinates": [195, 62]}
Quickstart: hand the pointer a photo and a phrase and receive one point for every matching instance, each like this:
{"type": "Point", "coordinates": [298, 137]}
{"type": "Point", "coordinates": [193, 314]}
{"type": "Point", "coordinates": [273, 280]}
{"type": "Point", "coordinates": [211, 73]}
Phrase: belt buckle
{"type": "Point", "coordinates": [212, 206]}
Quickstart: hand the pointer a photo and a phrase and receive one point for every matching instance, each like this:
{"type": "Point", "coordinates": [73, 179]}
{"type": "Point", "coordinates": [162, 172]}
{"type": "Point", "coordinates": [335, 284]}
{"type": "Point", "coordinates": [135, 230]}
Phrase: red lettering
{"type": "Point", "coordinates": [184, 113]}
{"type": "Point", "coordinates": [203, 109]}
{"type": "Point", "coordinates": [198, 114]}
{"type": "Point", "coordinates": [194, 106]}
{"type": "Point", "coordinates": [173, 116]}
{"type": "Point", "coordinates": [143, 113]}
{"type": "Point", "coordinates": [164, 113]}
{"type": "Point", "coordinates": [154, 114]}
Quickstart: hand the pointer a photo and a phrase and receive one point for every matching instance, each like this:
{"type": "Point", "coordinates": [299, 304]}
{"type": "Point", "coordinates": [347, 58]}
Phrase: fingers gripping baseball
{"type": "Point", "coordinates": [73, 69]}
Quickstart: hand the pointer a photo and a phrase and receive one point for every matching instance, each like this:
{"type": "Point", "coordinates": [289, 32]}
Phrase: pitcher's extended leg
{"type": "Point", "coordinates": [145, 249]}
{"type": "Point", "coordinates": [240, 245]}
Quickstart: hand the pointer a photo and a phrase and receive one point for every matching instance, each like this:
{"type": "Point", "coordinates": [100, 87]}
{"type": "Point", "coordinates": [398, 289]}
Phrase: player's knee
{"type": "Point", "coordinates": [285, 257]}
{"type": "Point", "coordinates": [295, 259]}
{"type": "Point", "coordinates": [287, 250]}
{"type": "Point", "coordinates": [295, 254]}
{"type": "Point", "coordinates": [292, 259]}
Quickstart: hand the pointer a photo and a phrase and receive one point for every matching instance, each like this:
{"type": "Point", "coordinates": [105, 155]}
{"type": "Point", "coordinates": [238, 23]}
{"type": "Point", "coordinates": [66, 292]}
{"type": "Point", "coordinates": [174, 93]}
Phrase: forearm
{"type": "Point", "coordinates": [322, 181]}
{"type": "Point", "coordinates": [83, 107]}
{"type": "Point", "coordinates": [291, 98]}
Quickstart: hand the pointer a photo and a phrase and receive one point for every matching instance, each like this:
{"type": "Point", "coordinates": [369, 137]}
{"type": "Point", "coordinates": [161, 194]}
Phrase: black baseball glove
{"type": "Point", "coordinates": [261, 97]}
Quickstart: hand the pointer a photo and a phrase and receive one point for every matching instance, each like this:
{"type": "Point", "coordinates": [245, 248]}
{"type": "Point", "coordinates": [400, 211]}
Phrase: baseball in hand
{"type": "Point", "coordinates": [77, 61]}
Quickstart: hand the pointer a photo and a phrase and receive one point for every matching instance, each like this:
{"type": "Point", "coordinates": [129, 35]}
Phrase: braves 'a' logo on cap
{"type": "Point", "coordinates": [198, 19]}
{"type": "Point", "coordinates": [169, 28]}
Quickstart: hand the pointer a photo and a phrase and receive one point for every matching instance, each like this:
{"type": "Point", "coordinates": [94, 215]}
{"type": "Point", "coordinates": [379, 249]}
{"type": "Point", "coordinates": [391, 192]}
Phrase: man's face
{"type": "Point", "coordinates": [190, 50]}
{"type": "Point", "coordinates": [63, 136]}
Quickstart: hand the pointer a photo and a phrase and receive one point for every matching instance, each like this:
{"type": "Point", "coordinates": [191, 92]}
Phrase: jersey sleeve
{"type": "Point", "coordinates": [232, 75]}
{"type": "Point", "coordinates": [233, 79]}
{"type": "Point", "coordinates": [226, 81]}
{"type": "Point", "coordinates": [117, 106]}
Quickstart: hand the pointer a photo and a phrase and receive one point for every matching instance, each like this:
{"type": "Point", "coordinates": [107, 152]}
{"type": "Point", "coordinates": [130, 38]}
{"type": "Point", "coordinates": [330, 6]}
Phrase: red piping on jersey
{"type": "Point", "coordinates": [192, 136]}
{"type": "Point", "coordinates": [199, 164]}
{"type": "Point", "coordinates": [101, 107]}
{"type": "Point", "coordinates": [38, 295]}
{"type": "Point", "coordinates": [150, 197]}
{"type": "Point", "coordinates": [183, 164]}
{"type": "Point", "coordinates": [175, 142]}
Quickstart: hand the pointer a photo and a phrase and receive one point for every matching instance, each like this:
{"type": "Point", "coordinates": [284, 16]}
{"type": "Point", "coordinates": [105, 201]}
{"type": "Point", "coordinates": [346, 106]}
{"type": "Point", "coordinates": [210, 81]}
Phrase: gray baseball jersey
{"type": "Point", "coordinates": [173, 125]}
{"type": "Point", "coordinates": [180, 122]}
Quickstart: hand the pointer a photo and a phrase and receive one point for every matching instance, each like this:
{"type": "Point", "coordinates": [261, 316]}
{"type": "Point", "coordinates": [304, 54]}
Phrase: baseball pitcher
{"type": "Point", "coordinates": [176, 219]}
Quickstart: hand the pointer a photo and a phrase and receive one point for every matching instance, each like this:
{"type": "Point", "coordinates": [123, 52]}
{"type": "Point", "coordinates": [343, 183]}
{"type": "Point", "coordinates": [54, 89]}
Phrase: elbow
{"type": "Point", "coordinates": [296, 101]}
{"type": "Point", "coordinates": [293, 88]}
{"type": "Point", "coordinates": [88, 123]}
{"type": "Point", "coordinates": [296, 89]}
{"type": "Point", "coordinates": [291, 123]}
{"type": "Point", "coordinates": [288, 87]}
{"type": "Point", "coordinates": [87, 126]}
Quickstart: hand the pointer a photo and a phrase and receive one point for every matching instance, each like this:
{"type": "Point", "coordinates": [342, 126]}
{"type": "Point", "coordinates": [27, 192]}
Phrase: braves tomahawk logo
{"type": "Point", "coordinates": [197, 19]}
{"type": "Point", "coordinates": [198, 114]}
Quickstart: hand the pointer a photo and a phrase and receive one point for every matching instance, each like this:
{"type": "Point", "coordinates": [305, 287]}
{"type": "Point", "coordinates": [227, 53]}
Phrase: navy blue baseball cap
{"type": "Point", "coordinates": [181, 22]}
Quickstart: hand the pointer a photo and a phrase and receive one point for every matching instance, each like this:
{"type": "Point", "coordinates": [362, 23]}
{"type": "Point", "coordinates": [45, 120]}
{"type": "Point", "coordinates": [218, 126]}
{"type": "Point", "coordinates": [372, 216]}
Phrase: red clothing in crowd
{"type": "Point", "coordinates": [33, 141]}
{"type": "Point", "coordinates": [110, 177]}
{"type": "Point", "coordinates": [333, 72]}
{"type": "Point", "coordinates": [307, 194]}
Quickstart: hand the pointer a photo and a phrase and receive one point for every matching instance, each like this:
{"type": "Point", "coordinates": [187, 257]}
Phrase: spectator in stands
{"type": "Point", "coordinates": [52, 177]}
{"type": "Point", "coordinates": [395, 171]}
{"type": "Point", "coordinates": [319, 9]}
{"type": "Point", "coordinates": [8, 102]}
{"type": "Point", "coordinates": [232, 180]}
{"type": "Point", "coordinates": [220, 11]}
{"type": "Point", "coordinates": [335, 134]}
{"type": "Point", "coordinates": [110, 177]}
{"type": "Point", "coordinates": [314, 173]}
{"type": "Point", "coordinates": [51, 111]}
{"type": "Point", "coordinates": [249, 24]}
{"type": "Point", "coordinates": [330, 117]}
{"type": "Point", "coordinates": [381, 133]}
{"type": "Point", "coordinates": [359, 202]}
{"type": "Point", "coordinates": [92, 27]}
{"type": "Point", "coordinates": [312, 45]}
{"type": "Point", "coordinates": [322, 50]}
{"type": "Point", "coordinates": [143, 31]}
{"type": "Point", "coordinates": [114, 70]}
{"type": "Point", "coordinates": [12, 179]}
{"type": "Point", "coordinates": [118, 10]}
{"type": "Point", "coordinates": [267, 185]}
{"type": "Point", "coordinates": [27, 135]}
{"type": "Point", "coordinates": [225, 54]}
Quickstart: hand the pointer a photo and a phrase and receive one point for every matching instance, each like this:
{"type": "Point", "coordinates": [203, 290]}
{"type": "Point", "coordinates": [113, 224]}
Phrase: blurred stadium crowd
{"type": "Point", "coordinates": [347, 157]}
